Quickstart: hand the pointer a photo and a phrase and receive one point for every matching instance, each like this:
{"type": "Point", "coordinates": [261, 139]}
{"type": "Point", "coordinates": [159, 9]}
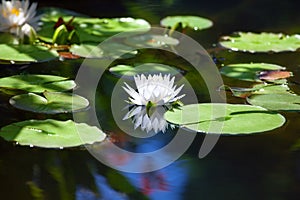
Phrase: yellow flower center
{"type": "Point", "coordinates": [15, 11]}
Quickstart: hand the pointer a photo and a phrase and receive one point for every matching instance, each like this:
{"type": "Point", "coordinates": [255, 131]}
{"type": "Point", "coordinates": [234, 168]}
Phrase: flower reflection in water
{"type": "Point", "coordinates": [155, 95]}
{"type": "Point", "coordinates": [148, 119]}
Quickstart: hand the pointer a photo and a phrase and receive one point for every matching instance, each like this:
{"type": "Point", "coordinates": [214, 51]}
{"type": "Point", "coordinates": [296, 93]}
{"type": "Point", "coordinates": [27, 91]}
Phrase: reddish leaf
{"type": "Point", "coordinates": [68, 25]}
{"type": "Point", "coordinates": [59, 22]}
{"type": "Point", "coordinates": [274, 75]}
{"type": "Point", "coordinates": [68, 55]}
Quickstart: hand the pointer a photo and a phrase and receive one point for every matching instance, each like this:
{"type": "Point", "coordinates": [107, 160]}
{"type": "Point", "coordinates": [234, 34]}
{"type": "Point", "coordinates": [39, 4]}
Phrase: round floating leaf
{"type": "Point", "coordinates": [270, 89]}
{"type": "Point", "coordinates": [238, 119]}
{"type": "Point", "coordinates": [51, 103]}
{"type": "Point", "coordinates": [248, 71]}
{"type": "Point", "coordinates": [8, 38]}
{"type": "Point", "coordinates": [285, 101]}
{"type": "Point", "coordinates": [261, 42]}
{"type": "Point", "coordinates": [194, 22]}
{"type": "Point", "coordinates": [150, 40]}
{"type": "Point", "coordinates": [37, 83]}
{"type": "Point", "coordinates": [26, 53]}
{"type": "Point", "coordinates": [111, 50]}
{"type": "Point", "coordinates": [87, 50]}
{"type": "Point", "coordinates": [51, 133]}
{"type": "Point", "coordinates": [116, 25]}
{"type": "Point", "coordinates": [147, 68]}
{"type": "Point", "coordinates": [53, 13]}
{"type": "Point", "coordinates": [95, 29]}
{"type": "Point", "coordinates": [257, 89]}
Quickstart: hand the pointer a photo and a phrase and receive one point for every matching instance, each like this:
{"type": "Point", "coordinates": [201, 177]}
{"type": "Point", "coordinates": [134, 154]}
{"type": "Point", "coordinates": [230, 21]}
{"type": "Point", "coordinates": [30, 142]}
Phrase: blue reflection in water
{"type": "Point", "coordinates": [167, 183]}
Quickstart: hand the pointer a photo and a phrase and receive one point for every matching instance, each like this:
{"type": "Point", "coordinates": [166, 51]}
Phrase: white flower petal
{"type": "Point", "coordinates": [15, 14]}
{"type": "Point", "coordinates": [157, 88]}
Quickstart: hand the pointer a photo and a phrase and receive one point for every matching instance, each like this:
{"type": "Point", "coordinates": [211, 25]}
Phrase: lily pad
{"type": "Point", "coordinates": [261, 42]}
{"type": "Point", "coordinates": [194, 22]}
{"type": "Point", "coordinates": [257, 89]}
{"type": "Point", "coordinates": [270, 89]}
{"type": "Point", "coordinates": [51, 103]}
{"type": "Point", "coordinates": [237, 119]}
{"type": "Point", "coordinates": [285, 101]}
{"type": "Point", "coordinates": [51, 133]}
{"type": "Point", "coordinates": [111, 50]}
{"type": "Point", "coordinates": [26, 53]}
{"type": "Point", "coordinates": [151, 40]}
{"type": "Point", "coordinates": [87, 50]}
{"type": "Point", "coordinates": [147, 68]}
{"type": "Point", "coordinates": [248, 71]}
{"type": "Point", "coordinates": [8, 38]}
{"type": "Point", "coordinates": [53, 13]}
{"type": "Point", "coordinates": [96, 29]}
{"type": "Point", "coordinates": [37, 83]}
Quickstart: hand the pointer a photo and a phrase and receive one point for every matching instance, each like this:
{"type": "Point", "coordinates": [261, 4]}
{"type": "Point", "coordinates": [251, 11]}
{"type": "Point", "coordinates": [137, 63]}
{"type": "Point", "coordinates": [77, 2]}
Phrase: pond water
{"type": "Point", "coordinates": [258, 166]}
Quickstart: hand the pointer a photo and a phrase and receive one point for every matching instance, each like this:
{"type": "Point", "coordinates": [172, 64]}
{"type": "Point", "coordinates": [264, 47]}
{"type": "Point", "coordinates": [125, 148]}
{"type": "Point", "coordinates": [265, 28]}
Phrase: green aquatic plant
{"type": "Point", "coordinates": [51, 133]}
{"type": "Point", "coordinates": [261, 42]}
{"type": "Point", "coordinates": [248, 71]}
{"type": "Point", "coordinates": [37, 83]}
{"type": "Point", "coordinates": [50, 102]}
{"type": "Point", "coordinates": [146, 68]}
{"type": "Point", "coordinates": [26, 53]}
{"type": "Point", "coordinates": [108, 50]}
{"type": "Point", "coordinates": [282, 101]}
{"type": "Point", "coordinates": [225, 119]}
{"type": "Point", "coordinates": [194, 22]}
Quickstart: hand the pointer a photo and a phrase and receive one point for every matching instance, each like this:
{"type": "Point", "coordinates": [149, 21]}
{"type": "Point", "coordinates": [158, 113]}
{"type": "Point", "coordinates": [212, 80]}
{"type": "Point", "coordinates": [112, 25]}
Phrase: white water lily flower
{"type": "Point", "coordinates": [156, 89]}
{"type": "Point", "coordinates": [16, 14]}
{"type": "Point", "coordinates": [154, 121]}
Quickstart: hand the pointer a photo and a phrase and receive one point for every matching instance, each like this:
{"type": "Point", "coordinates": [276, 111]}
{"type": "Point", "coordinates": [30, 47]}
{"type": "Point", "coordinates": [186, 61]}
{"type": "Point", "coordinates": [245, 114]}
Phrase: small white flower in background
{"type": "Point", "coordinates": [153, 90]}
{"type": "Point", "coordinates": [18, 17]}
{"type": "Point", "coordinates": [148, 121]}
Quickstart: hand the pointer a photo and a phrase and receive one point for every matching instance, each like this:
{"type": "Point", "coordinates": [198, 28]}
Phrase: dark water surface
{"type": "Point", "coordinates": [260, 166]}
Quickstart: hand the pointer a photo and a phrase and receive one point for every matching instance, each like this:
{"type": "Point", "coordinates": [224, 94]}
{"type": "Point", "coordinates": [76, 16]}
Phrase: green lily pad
{"type": "Point", "coordinates": [261, 42]}
{"type": "Point", "coordinates": [51, 133]}
{"type": "Point", "coordinates": [111, 50]}
{"type": "Point", "coordinates": [151, 40]}
{"type": "Point", "coordinates": [270, 89]}
{"type": "Point", "coordinates": [248, 71]}
{"type": "Point", "coordinates": [96, 29]}
{"type": "Point", "coordinates": [26, 53]}
{"type": "Point", "coordinates": [257, 89]}
{"type": "Point", "coordinates": [53, 13]}
{"type": "Point", "coordinates": [234, 118]}
{"type": "Point", "coordinates": [8, 38]}
{"type": "Point", "coordinates": [51, 103]}
{"type": "Point", "coordinates": [147, 68]}
{"type": "Point", "coordinates": [285, 101]}
{"type": "Point", "coordinates": [87, 50]}
{"type": "Point", "coordinates": [194, 22]}
{"type": "Point", "coordinates": [37, 83]}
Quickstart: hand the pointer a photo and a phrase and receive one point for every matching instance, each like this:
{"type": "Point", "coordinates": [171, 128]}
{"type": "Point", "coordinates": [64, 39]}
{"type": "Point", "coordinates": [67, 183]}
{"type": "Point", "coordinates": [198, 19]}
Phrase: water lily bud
{"type": "Point", "coordinates": [60, 35]}
{"type": "Point", "coordinates": [28, 34]}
